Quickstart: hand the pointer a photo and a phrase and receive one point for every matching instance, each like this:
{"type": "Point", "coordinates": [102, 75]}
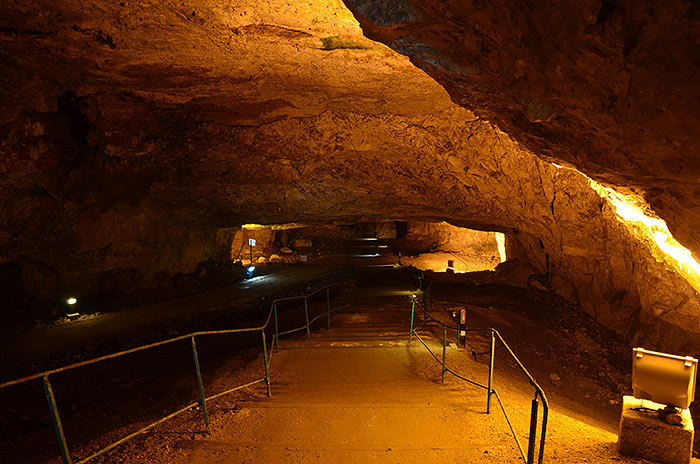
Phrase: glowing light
{"type": "Point", "coordinates": [71, 301]}
{"type": "Point", "coordinates": [254, 227]}
{"type": "Point", "coordinates": [501, 242]}
{"type": "Point", "coordinates": [655, 231]}
{"type": "Point", "coordinates": [251, 268]}
{"type": "Point", "coordinates": [558, 166]}
{"type": "Point", "coordinates": [651, 230]}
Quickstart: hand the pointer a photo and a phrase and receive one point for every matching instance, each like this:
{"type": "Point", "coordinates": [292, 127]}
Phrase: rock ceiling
{"type": "Point", "coordinates": [133, 131]}
{"type": "Point", "coordinates": [609, 87]}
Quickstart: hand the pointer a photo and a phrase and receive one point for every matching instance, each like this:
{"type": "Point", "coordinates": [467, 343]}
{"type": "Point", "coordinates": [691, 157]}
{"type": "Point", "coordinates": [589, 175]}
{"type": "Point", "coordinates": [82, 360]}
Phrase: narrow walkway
{"type": "Point", "coordinates": [358, 393]}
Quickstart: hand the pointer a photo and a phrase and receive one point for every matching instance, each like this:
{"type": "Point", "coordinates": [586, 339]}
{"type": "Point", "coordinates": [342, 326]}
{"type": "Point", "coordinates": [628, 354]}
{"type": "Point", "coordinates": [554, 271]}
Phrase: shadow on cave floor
{"type": "Point", "coordinates": [49, 347]}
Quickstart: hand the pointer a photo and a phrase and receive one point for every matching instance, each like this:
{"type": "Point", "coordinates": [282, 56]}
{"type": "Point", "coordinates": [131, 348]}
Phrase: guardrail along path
{"type": "Point", "coordinates": [358, 393]}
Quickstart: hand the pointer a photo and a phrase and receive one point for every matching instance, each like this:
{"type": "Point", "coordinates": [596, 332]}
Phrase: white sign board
{"type": "Point", "coordinates": [251, 241]}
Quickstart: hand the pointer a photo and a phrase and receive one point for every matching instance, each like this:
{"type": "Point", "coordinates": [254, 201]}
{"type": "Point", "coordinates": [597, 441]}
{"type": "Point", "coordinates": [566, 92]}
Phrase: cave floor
{"type": "Point", "coordinates": [52, 346]}
{"type": "Point", "coordinates": [358, 392]}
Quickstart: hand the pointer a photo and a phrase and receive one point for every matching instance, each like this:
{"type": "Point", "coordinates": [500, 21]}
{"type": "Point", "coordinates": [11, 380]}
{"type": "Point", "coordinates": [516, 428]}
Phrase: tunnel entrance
{"type": "Point", "coordinates": [442, 247]}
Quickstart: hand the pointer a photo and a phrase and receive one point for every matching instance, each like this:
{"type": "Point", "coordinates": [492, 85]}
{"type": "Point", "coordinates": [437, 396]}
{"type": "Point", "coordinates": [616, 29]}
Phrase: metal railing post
{"type": "Point", "coordinates": [492, 355]}
{"type": "Point", "coordinates": [202, 400]}
{"type": "Point", "coordinates": [277, 332]}
{"type": "Point", "coordinates": [413, 311]}
{"type": "Point", "coordinates": [444, 351]}
{"type": "Point", "coordinates": [533, 432]}
{"type": "Point", "coordinates": [56, 419]}
{"type": "Point", "coordinates": [306, 312]}
{"type": "Point", "coordinates": [328, 305]}
{"type": "Point", "coordinates": [459, 328]}
{"type": "Point", "coordinates": [545, 413]}
{"type": "Point", "coordinates": [267, 369]}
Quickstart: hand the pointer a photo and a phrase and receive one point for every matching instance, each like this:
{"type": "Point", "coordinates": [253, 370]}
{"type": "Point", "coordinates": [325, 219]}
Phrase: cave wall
{"type": "Point", "coordinates": [134, 137]}
{"type": "Point", "coordinates": [427, 236]}
{"type": "Point", "coordinates": [431, 245]}
{"type": "Point", "coordinates": [609, 87]}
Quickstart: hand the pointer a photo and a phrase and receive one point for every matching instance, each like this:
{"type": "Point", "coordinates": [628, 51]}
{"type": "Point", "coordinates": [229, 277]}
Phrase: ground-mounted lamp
{"type": "Point", "coordinates": [656, 423]}
{"type": "Point", "coordinates": [250, 271]}
{"type": "Point", "coordinates": [71, 313]}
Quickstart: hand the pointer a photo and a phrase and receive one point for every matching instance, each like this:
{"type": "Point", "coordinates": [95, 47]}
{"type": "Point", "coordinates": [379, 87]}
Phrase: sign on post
{"type": "Point", "coordinates": [251, 242]}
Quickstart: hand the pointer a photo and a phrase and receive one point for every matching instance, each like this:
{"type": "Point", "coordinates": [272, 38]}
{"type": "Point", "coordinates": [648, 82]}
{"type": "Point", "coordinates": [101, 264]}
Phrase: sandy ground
{"type": "Point", "coordinates": [360, 393]}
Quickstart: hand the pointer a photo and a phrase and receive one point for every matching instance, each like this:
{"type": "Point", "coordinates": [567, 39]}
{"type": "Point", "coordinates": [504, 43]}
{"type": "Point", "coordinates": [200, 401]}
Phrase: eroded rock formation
{"type": "Point", "coordinates": [610, 87]}
{"type": "Point", "coordinates": [136, 139]}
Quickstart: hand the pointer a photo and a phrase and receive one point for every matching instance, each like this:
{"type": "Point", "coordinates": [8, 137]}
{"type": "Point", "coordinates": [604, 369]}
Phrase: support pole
{"type": "Point", "coordinates": [277, 332]}
{"type": "Point", "coordinates": [58, 428]}
{"type": "Point", "coordinates": [202, 400]}
{"type": "Point", "coordinates": [533, 432]}
{"type": "Point", "coordinates": [413, 311]}
{"type": "Point", "coordinates": [267, 369]}
{"type": "Point", "coordinates": [444, 351]}
{"type": "Point", "coordinates": [492, 355]}
{"type": "Point", "coordinates": [328, 305]}
{"type": "Point", "coordinates": [545, 413]}
{"type": "Point", "coordinates": [459, 329]}
{"type": "Point", "coordinates": [306, 313]}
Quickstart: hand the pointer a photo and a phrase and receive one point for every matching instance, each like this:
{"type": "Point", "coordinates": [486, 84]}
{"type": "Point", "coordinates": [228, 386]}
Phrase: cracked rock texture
{"type": "Point", "coordinates": [611, 88]}
{"type": "Point", "coordinates": [138, 137]}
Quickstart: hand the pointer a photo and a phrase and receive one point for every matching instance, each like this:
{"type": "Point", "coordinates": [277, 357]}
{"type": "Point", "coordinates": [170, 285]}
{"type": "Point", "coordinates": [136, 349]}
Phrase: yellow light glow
{"type": "Point", "coordinates": [254, 226]}
{"type": "Point", "coordinates": [656, 230]}
{"type": "Point", "coordinates": [653, 229]}
{"type": "Point", "coordinates": [71, 301]}
{"type": "Point", "coordinates": [501, 242]}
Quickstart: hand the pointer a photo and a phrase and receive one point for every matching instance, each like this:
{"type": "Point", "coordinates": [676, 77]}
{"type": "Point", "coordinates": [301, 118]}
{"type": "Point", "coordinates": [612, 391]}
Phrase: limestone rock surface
{"type": "Point", "coordinates": [137, 137]}
{"type": "Point", "coordinates": [609, 87]}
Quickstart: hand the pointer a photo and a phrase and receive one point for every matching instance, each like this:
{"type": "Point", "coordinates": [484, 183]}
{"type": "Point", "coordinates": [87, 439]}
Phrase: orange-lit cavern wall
{"type": "Point", "coordinates": [137, 138]}
{"type": "Point", "coordinates": [611, 87]}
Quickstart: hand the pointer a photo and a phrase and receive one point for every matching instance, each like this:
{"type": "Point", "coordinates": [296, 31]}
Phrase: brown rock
{"type": "Point", "coordinates": [136, 140]}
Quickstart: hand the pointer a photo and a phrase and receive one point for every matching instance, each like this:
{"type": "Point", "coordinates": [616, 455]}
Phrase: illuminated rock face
{"type": "Point", "coordinates": [609, 87]}
{"type": "Point", "coordinates": [136, 139]}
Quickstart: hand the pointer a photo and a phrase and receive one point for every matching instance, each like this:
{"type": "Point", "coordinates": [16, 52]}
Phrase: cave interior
{"type": "Point", "coordinates": [546, 150]}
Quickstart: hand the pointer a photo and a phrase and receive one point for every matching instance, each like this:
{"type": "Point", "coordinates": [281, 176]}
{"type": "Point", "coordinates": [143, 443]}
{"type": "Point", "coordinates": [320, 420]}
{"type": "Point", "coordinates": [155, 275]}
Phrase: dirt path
{"type": "Point", "coordinates": [360, 393]}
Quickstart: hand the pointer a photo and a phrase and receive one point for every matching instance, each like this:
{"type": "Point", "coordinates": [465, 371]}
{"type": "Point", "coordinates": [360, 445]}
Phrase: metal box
{"type": "Point", "coordinates": [664, 378]}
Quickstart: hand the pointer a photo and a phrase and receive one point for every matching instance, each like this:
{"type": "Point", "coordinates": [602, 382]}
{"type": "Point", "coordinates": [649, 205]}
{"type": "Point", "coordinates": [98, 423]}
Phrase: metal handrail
{"type": "Point", "coordinates": [539, 393]}
{"type": "Point", "coordinates": [48, 389]}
